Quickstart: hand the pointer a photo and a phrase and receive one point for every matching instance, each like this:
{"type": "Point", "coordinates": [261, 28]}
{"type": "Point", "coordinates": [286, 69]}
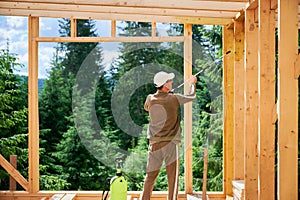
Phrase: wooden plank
{"type": "Point", "coordinates": [287, 101]}
{"type": "Point", "coordinates": [57, 197]}
{"type": "Point", "coordinates": [297, 67]}
{"type": "Point", "coordinates": [112, 39]}
{"type": "Point", "coordinates": [73, 27]}
{"type": "Point", "coordinates": [266, 92]}
{"type": "Point", "coordinates": [239, 100]}
{"type": "Point", "coordinates": [251, 106]}
{"type": "Point", "coordinates": [33, 116]}
{"type": "Point", "coordinates": [70, 196]}
{"type": "Point", "coordinates": [12, 181]}
{"type": "Point", "coordinates": [228, 109]}
{"type": "Point", "coordinates": [154, 11]}
{"type": "Point", "coordinates": [204, 173]}
{"type": "Point", "coordinates": [188, 174]}
{"type": "Point", "coordinates": [14, 173]}
{"type": "Point", "coordinates": [113, 28]}
{"type": "Point", "coordinates": [188, 4]}
{"type": "Point", "coordinates": [96, 195]}
{"type": "Point", "coordinates": [153, 34]}
{"type": "Point", "coordinates": [118, 17]}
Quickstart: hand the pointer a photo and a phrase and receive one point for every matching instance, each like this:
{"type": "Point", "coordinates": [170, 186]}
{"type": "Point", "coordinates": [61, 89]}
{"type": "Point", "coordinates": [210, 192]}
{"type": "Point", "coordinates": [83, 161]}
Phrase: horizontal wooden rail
{"type": "Point", "coordinates": [96, 195]}
{"type": "Point", "coordinates": [14, 173]}
{"type": "Point", "coordinates": [111, 39]}
{"type": "Point", "coordinates": [118, 17]}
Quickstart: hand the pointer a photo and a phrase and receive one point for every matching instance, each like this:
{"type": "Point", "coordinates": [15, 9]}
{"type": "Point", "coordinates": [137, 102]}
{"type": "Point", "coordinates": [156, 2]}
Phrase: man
{"type": "Point", "coordinates": [164, 132]}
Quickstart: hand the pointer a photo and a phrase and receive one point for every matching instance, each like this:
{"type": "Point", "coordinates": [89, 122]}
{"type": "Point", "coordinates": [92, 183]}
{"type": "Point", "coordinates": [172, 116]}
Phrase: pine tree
{"type": "Point", "coordinates": [75, 66]}
{"type": "Point", "coordinates": [13, 115]}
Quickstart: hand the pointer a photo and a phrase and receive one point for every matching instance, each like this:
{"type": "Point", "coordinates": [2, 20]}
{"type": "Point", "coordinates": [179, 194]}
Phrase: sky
{"type": "Point", "coordinates": [14, 30]}
{"type": "Point", "coordinates": [14, 34]}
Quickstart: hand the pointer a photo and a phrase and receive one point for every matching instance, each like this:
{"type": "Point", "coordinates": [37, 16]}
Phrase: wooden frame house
{"type": "Point", "coordinates": [251, 108]}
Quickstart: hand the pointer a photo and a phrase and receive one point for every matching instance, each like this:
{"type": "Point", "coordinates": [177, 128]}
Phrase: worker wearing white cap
{"type": "Point", "coordinates": [164, 132]}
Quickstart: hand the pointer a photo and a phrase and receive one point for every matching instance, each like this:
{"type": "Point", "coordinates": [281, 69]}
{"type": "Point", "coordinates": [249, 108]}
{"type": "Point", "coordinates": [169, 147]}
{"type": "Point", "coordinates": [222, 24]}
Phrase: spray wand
{"type": "Point", "coordinates": [202, 70]}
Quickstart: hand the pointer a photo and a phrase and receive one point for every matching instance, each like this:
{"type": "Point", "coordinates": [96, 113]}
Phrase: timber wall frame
{"type": "Point", "coordinates": [251, 108]}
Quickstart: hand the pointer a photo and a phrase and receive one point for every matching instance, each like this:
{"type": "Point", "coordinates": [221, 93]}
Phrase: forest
{"type": "Point", "coordinates": [90, 114]}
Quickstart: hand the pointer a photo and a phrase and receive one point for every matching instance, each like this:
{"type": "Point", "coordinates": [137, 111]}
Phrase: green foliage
{"type": "Point", "coordinates": [70, 165]}
{"type": "Point", "coordinates": [13, 115]}
{"type": "Point", "coordinates": [13, 109]}
{"type": "Point", "coordinates": [208, 124]}
{"type": "Point", "coordinates": [80, 137]}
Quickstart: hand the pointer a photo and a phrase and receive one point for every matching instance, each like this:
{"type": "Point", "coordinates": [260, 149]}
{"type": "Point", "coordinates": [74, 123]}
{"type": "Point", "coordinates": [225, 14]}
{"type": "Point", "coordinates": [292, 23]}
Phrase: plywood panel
{"type": "Point", "coordinates": [251, 106]}
{"type": "Point", "coordinates": [228, 109]}
{"type": "Point", "coordinates": [287, 101]}
{"type": "Point", "coordinates": [266, 92]}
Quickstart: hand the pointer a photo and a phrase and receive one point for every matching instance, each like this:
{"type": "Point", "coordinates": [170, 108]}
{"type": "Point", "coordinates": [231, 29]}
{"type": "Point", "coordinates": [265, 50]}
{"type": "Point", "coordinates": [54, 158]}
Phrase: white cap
{"type": "Point", "coordinates": [162, 77]}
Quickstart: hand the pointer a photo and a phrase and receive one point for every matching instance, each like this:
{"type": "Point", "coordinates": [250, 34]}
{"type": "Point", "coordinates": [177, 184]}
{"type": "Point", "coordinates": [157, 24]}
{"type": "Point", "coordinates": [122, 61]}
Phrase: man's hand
{"type": "Point", "coordinates": [193, 79]}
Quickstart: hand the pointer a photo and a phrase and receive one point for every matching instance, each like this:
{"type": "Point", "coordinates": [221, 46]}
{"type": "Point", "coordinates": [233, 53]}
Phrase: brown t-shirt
{"type": "Point", "coordinates": [164, 120]}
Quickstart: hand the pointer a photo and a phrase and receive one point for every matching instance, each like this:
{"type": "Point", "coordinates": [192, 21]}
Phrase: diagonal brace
{"type": "Point", "coordinates": [14, 173]}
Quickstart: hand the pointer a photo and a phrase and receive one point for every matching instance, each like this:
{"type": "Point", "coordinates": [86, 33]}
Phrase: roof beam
{"type": "Point", "coordinates": [196, 12]}
{"type": "Point", "coordinates": [174, 4]}
{"type": "Point", "coordinates": [118, 17]}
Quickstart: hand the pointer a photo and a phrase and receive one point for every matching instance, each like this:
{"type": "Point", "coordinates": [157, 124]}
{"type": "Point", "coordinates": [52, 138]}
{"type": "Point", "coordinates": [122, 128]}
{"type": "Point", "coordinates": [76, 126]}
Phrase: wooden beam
{"type": "Point", "coordinates": [274, 4]}
{"type": "Point", "coordinates": [275, 113]}
{"type": "Point", "coordinates": [239, 100]}
{"type": "Point", "coordinates": [69, 196]}
{"type": "Point", "coordinates": [153, 29]}
{"type": "Point", "coordinates": [251, 106]}
{"type": "Point", "coordinates": [73, 27]}
{"type": "Point", "coordinates": [111, 10]}
{"type": "Point", "coordinates": [113, 28]}
{"type": "Point", "coordinates": [118, 17]}
{"type": "Point", "coordinates": [111, 39]}
{"type": "Point", "coordinates": [172, 4]}
{"type": "Point", "coordinates": [287, 100]}
{"type": "Point", "coordinates": [188, 174]}
{"type": "Point", "coordinates": [297, 67]}
{"type": "Point", "coordinates": [33, 117]}
{"type": "Point", "coordinates": [96, 195]}
{"type": "Point", "coordinates": [12, 181]}
{"type": "Point", "coordinates": [205, 160]}
{"type": "Point", "coordinates": [253, 4]}
{"type": "Point", "coordinates": [14, 173]}
{"type": "Point", "coordinates": [57, 196]}
{"type": "Point", "coordinates": [228, 109]}
{"type": "Point", "coordinates": [266, 92]}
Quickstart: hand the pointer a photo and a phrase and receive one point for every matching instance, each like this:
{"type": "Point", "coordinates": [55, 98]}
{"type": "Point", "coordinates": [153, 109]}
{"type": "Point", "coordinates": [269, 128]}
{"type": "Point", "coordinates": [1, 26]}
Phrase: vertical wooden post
{"type": "Point", "coordinates": [113, 28]}
{"type": "Point", "coordinates": [287, 100]}
{"type": "Point", "coordinates": [239, 34]}
{"type": "Point", "coordinates": [153, 29]}
{"type": "Point", "coordinates": [228, 109]}
{"type": "Point", "coordinates": [266, 92]}
{"type": "Point", "coordinates": [12, 181]}
{"type": "Point", "coordinates": [73, 27]}
{"type": "Point", "coordinates": [251, 106]}
{"type": "Point", "coordinates": [33, 118]}
{"type": "Point", "coordinates": [204, 174]}
{"type": "Point", "coordinates": [188, 110]}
